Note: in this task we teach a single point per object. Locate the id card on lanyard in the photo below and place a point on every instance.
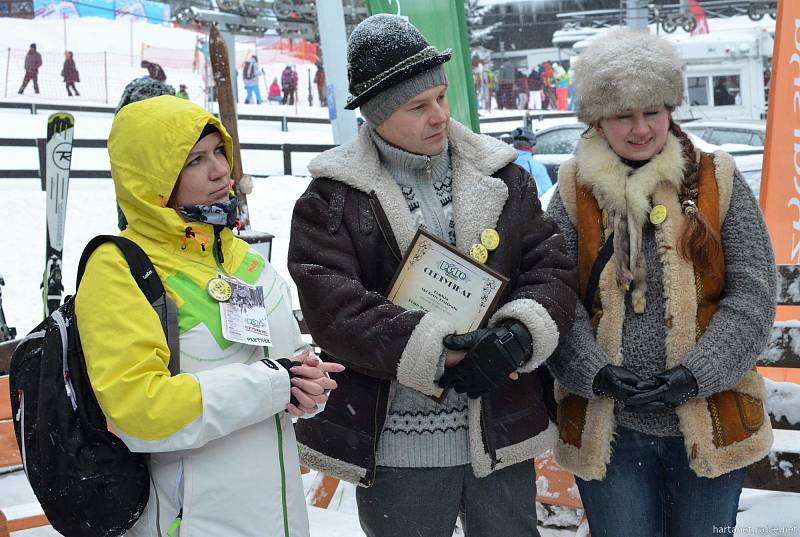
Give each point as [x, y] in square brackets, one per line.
[242, 310]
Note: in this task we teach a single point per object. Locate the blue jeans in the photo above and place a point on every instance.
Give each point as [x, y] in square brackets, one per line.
[650, 490]
[253, 90]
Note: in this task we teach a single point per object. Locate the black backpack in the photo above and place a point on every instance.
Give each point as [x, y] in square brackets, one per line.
[87, 481]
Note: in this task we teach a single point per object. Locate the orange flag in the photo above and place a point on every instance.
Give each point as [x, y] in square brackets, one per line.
[780, 179]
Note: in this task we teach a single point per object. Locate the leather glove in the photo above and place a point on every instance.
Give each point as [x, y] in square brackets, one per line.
[492, 354]
[675, 387]
[620, 384]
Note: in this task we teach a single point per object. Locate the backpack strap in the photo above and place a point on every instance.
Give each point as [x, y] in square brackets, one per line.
[146, 277]
[606, 252]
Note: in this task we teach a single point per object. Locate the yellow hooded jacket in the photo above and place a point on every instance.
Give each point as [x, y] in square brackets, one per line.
[222, 448]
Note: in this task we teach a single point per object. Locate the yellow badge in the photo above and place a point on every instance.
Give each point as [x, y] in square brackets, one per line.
[219, 289]
[604, 218]
[478, 252]
[658, 214]
[490, 238]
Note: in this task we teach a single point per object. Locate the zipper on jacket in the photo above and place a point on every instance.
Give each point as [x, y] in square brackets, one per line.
[376, 437]
[175, 525]
[20, 417]
[283, 476]
[485, 433]
[62, 329]
[217, 249]
[380, 218]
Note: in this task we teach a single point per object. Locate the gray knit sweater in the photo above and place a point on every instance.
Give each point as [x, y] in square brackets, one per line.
[730, 346]
[420, 432]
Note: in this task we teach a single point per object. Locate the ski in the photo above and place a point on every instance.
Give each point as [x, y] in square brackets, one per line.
[7, 333]
[58, 157]
[220, 66]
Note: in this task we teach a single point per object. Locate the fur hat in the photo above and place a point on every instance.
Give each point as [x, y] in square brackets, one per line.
[624, 70]
[384, 51]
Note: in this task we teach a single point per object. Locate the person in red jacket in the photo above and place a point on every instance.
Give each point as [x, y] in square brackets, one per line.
[33, 60]
[70, 74]
[274, 91]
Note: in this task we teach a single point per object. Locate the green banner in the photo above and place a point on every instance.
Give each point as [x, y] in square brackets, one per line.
[444, 25]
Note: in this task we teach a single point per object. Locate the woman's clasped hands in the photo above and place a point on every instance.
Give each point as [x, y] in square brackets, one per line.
[310, 382]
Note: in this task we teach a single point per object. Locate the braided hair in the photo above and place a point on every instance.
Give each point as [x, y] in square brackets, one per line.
[699, 243]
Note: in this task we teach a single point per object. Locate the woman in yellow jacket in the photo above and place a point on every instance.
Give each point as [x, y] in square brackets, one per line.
[223, 454]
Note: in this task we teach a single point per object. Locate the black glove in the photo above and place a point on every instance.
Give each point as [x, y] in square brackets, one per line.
[675, 387]
[288, 365]
[621, 384]
[492, 355]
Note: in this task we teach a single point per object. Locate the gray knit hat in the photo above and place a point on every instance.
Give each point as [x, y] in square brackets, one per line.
[624, 70]
[389, 62]
[379, 108]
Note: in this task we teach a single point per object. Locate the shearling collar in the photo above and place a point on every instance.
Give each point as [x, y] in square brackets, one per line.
[621, 189]
[478, 198]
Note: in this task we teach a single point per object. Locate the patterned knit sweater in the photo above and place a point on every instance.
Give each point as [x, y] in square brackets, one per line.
[727, 350]
[420, 432]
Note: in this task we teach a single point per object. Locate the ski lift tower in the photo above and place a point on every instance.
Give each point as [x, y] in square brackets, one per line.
[637, 14]
[232, 17]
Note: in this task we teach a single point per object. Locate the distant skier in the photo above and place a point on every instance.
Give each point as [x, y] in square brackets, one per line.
[33, 60]
[250, 74]
[182, 93]
[275, 91]
[287, 84]
[70, 74]
[319, 80]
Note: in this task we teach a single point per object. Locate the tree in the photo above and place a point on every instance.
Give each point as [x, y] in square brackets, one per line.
[479, 32]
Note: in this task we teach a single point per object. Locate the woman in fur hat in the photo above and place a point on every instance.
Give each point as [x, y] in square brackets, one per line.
[660, 408]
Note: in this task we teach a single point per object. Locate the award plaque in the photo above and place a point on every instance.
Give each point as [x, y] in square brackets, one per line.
[438, 279]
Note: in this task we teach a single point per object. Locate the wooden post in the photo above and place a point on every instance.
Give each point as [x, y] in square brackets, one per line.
[220, 65]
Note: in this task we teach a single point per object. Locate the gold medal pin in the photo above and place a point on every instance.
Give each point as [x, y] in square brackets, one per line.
[219, 289]
[490, 239]
[658, 214]
[478, 252]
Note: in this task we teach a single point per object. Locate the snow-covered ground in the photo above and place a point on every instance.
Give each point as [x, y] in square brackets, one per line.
[91, 211]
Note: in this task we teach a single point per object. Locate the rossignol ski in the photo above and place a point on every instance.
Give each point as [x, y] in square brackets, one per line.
[58, 157]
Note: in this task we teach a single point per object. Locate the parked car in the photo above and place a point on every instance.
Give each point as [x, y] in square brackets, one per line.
[750, 167]
[556, 144]
[729, 133]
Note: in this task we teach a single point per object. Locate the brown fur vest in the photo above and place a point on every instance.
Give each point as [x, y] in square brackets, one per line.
[723, 432]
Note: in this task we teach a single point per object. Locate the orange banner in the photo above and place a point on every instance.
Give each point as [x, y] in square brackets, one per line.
[780, 179]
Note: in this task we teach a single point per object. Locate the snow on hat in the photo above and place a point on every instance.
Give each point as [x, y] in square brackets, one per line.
[386, 52]
[625, 70]
[143, 88]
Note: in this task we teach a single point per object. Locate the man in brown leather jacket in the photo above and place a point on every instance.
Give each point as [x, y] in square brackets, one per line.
[422, 461]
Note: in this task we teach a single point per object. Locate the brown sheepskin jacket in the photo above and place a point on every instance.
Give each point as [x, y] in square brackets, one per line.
[349, 231]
